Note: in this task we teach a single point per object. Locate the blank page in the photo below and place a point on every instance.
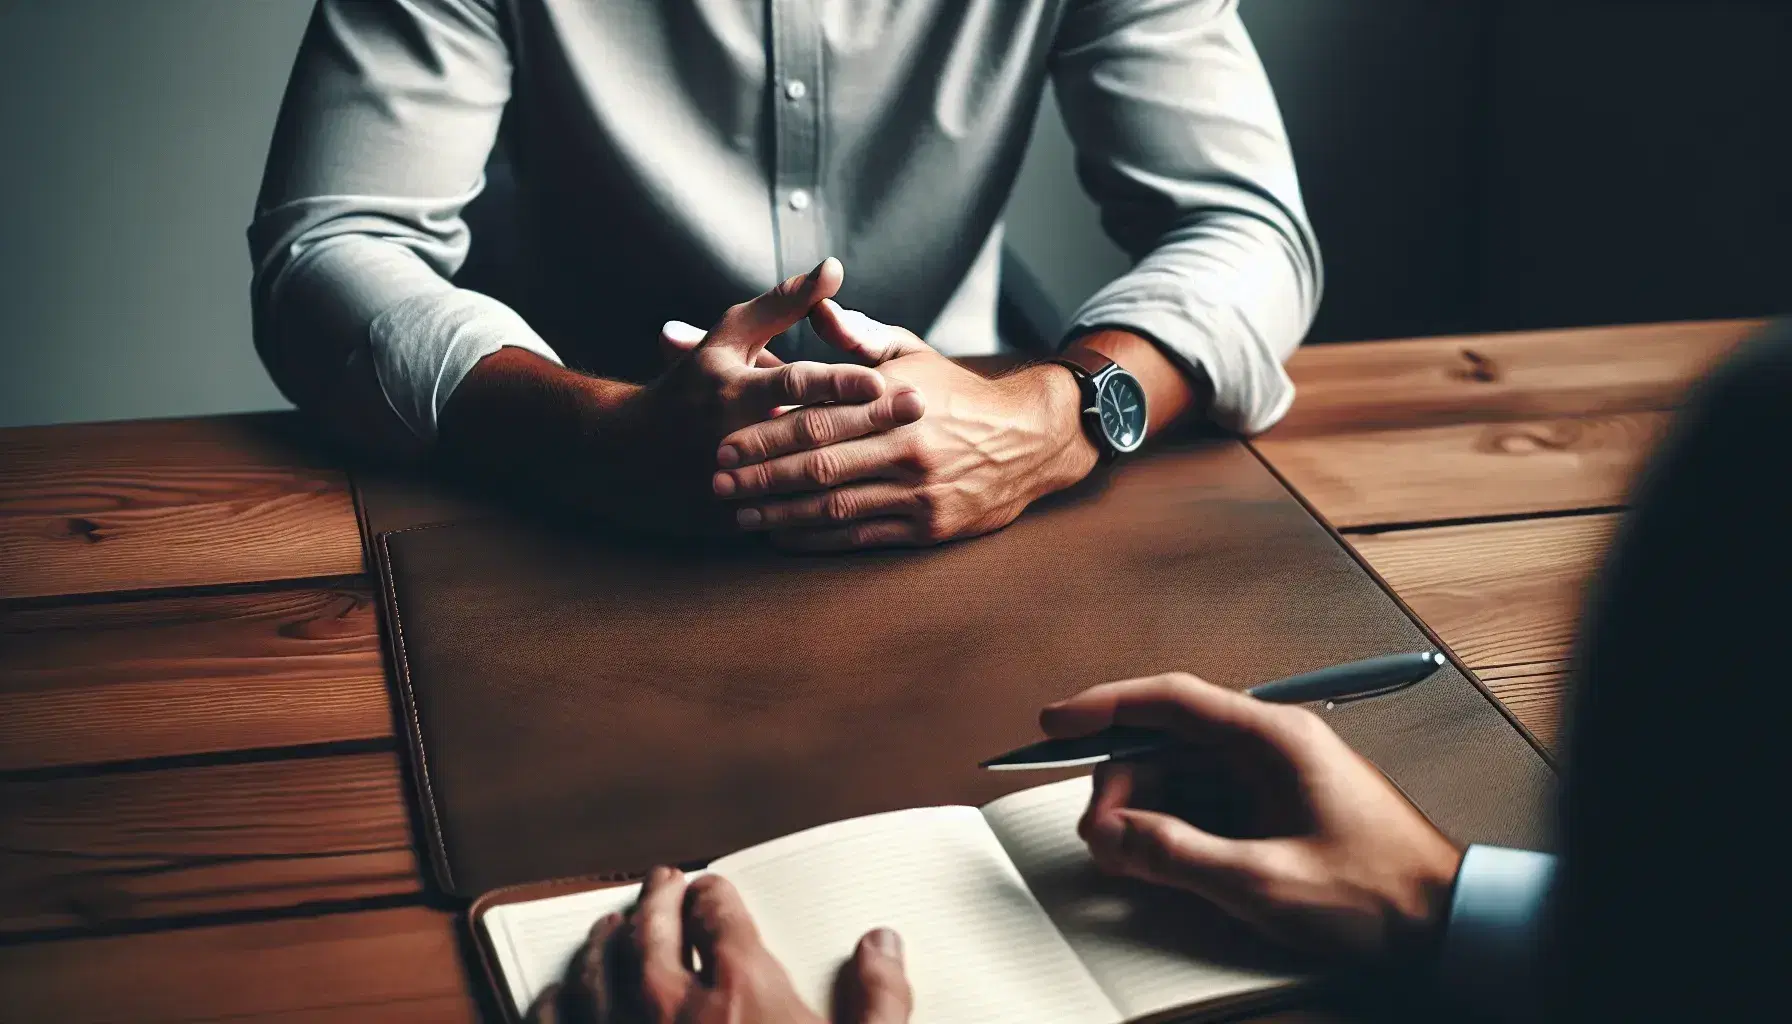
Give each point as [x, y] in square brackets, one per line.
[977, 946]
[1151, 949]
[535, 941]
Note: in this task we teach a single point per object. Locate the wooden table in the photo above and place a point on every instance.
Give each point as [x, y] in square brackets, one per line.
[201, 814]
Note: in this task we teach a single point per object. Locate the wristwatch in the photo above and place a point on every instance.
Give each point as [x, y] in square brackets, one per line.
[1113, 402]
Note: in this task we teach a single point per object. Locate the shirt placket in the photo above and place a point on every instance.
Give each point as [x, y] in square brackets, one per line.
[796, 196]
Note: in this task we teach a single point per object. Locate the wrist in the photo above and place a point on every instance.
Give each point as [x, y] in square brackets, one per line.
[516, 412]
[1055, 400]
[1174, 394]
[1424, 909]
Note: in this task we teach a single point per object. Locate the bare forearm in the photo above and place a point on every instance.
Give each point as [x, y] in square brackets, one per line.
[643, 453]
[522, 420]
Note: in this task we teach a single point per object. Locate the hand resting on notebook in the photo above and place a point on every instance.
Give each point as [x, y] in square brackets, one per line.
[639, 968]
[1268, 814]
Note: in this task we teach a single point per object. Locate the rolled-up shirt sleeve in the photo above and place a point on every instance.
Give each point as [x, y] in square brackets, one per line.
[388, 120]
[1180, 143]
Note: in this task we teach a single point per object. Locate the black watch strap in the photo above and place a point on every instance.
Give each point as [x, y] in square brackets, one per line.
[1090, 362]
[1086, 366]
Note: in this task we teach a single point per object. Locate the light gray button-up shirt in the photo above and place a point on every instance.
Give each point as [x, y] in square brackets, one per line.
[673, 157]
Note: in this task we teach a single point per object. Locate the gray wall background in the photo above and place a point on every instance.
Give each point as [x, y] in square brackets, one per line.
[132, 134]
[1470, 165]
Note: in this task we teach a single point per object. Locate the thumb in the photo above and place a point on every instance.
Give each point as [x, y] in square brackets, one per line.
[873, 988]
[750, 326]
[1165, 850]
[678, 337]
[856, 334]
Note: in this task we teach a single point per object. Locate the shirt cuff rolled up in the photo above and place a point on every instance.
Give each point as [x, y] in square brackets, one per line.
[1250, 388]
[424, 346]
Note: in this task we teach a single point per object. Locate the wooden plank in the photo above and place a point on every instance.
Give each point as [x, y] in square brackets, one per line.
[1497, 593]
[90, 683]
[382, 965]
[100, 849]
[1506, 597]
[1379, 477]
[167, 503]
[1537, 375]
[1536, 693]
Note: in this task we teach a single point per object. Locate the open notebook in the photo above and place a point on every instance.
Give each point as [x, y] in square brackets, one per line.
[1002, 916]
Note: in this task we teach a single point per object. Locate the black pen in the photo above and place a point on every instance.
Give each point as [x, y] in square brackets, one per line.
[1351, 679]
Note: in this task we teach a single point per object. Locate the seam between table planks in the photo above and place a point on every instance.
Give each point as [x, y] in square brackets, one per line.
[1543, 750]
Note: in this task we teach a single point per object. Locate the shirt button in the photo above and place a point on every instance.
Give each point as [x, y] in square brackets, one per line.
[795, 89]
[799, 200]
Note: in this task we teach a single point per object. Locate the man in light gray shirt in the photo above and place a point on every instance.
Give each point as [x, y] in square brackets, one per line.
[676, 157]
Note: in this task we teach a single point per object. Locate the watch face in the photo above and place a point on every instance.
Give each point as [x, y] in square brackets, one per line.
[1122, 407]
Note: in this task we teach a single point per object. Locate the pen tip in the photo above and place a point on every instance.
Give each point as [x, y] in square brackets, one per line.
[1437, 657]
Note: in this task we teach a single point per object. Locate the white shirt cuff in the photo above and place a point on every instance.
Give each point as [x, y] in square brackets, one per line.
[1490, 951]
[1251, 389]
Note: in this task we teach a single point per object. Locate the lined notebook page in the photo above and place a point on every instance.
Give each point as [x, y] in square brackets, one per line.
[978, 948]
[1150, 949]
[535, 941]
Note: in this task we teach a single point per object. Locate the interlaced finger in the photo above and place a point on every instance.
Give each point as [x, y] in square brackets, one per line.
[748, 327]
[818, 425]
[815, 470]
[812, 383]
[839, 505]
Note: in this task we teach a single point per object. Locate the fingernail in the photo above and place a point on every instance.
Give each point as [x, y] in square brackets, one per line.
[728, 457]
[748, 517]
[723, 484]
[907, 405]
[887, 942]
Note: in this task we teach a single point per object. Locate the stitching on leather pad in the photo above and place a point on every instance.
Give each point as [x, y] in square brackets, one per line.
[440, 854]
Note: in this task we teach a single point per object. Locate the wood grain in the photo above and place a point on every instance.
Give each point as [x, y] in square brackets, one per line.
[102, 849]
[1380, 477]
[124, 506]
[1429, 382]
[1506, 597]
[91, 683]
[1536, 693]
[386, 965]
[1498, 593]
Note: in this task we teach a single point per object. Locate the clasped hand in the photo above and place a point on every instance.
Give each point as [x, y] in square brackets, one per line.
[723, 380]
[941, 453]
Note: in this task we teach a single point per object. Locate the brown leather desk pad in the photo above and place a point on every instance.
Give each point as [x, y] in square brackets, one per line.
[580, 703]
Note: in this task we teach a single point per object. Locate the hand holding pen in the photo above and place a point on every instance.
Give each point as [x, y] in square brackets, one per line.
[1260, 808]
